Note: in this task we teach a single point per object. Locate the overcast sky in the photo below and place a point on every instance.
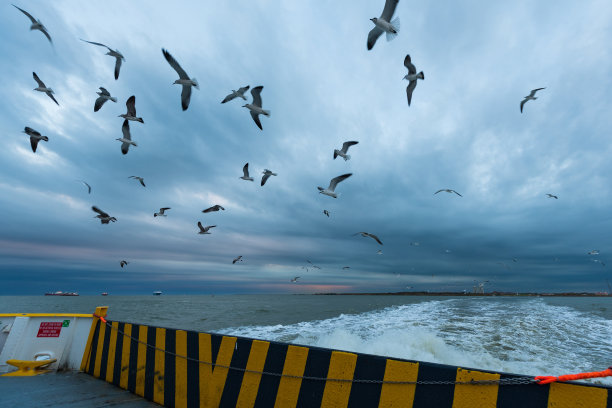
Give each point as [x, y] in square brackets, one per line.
[463, 131]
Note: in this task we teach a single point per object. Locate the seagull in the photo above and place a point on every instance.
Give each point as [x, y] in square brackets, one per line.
[88, 186]
[415, 243]
[237, 259]
[255, 107]
[131, 110]
[447, 190]
[379, 252]
[36, 24]
[127, 138]
[216, 207]
[384, 24]
[245, 171]
[411, 77]
[329, 191]
[342, 152]
[113, 53]
[367, 234]
[204, 230]
[294, 280]
[346, 267]
[313, 265]
[104, 96]
[514, 260]
[43, 88]
[326, 213]
[530, 97]
[593, 252]
[236, 94]
[123, 263]
[104, 217]
[266, 175]
[552, 196]
[139, 179]
[161, 212]
[35, 137]
[183, 80]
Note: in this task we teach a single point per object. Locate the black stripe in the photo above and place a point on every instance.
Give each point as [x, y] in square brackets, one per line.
[170, 368]
[193, 370]
[104, 362]
[150, 373]
[118, 354]
[367, 394]
[609, 403]
[524, 396]
[268, 386]
[94, 349]
[430, 396]
[234, 377]
[133, 358]
[317, 365]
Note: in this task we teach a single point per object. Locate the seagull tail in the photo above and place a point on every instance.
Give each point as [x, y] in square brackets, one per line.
[113, 99]
[266, 112]
[396, 24]
[390, 36]
[421, 75]
[347, 157]
[196, 83]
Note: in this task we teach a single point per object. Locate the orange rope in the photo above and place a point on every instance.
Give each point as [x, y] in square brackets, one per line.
[547, 379]
[99, 317]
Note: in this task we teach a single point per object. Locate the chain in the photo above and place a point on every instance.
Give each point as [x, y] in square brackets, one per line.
[501, 381]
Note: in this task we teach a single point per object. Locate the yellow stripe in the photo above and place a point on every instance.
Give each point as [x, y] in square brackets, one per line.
[576, 396]
[289, 388]
[141, 361]
[341, 366]
[468, 396]
[160, 366]
[399, 395]
[212, 381]
[125, 356]
[110, 366]
[99, 347]
[180, 386]
[48, 314]
[100, 311]
[250, 381]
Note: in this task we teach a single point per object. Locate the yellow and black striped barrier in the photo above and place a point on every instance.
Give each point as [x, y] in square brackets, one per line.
[178, 368]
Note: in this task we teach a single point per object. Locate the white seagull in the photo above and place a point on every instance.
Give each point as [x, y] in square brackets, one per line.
[530, 97]
[384, 24]
[236, 94]
[127, 138]
[139, 179]
[294, 280]
[103, 96]
[43, 88]
[552, 196]
[342, 152]
[104, 217]
[330, 191]
[266, 175]
[411, 77]
[448, 190]
[36, 24]
[216, 207]
[204, 230]
[161, 212]
[593, 252]
[245, 173]
[131, 110]
[183, 80]
[113, 53]
[35, 137]
[367, 234]
[255, 107]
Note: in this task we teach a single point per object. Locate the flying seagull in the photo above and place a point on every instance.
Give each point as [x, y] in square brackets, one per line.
[447, 190]
[294, 280]
[131, 110]
[383, 24]
[216, 207]
[104, 96]
[255, 107]
[411, 77]
[204, 230]
[266, 175]
[88, 186]
[346, 267]
[36, 24]
[313, 265]
[593, 252]
[237, 259]
[161, 212]
[139, 179]
[35, 137]
[329, 191]
[236, 94]
[113, 53]
[326, 213]
[342, 152]
[367, 234]
[245, 172]
[552, 196]
[104, 217]
[379, 252]
[43, 88]
[123, 263]
[183, 80]
[530, 97]
[127, 138]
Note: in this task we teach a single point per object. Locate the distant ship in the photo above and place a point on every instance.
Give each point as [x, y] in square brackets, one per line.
[60, 293]
[157, 293]
[104, 293]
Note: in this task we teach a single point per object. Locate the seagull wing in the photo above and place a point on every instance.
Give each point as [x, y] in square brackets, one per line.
[439, 191]
[334, 182]
[126, 130]
[201, 227]
[50, 95]
[375, 238]
[99, 211]
[533, 91]
[346, 145]
[209, 209]
[37, 79]
[410, 89]
[180, 71]
[141, 181]
[243, 89]
[117, 67]
[245, 170]
[88, 186]
[34, 143]
[31, 132]
[457, 193]
[228, 98]
[44, 31]
[27, 14]
[104, 91]
[98, 104]
[185, 96]
[255, 117]
[95, 43]
[389, 9]
[523, 103]
[373, 36]
[164, 209]
[219, 208]
[408, 64]
[131, 105]
[265, 178]
[256, 92]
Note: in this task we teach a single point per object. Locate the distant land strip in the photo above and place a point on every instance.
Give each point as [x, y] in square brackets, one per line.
[567, 294]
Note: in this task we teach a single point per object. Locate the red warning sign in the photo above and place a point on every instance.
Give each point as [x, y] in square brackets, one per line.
[49, 329]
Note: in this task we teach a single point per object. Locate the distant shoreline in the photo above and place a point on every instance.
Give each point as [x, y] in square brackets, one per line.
[534, 294]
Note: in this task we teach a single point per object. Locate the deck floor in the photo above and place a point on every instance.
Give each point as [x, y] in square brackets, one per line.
[68, 389]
